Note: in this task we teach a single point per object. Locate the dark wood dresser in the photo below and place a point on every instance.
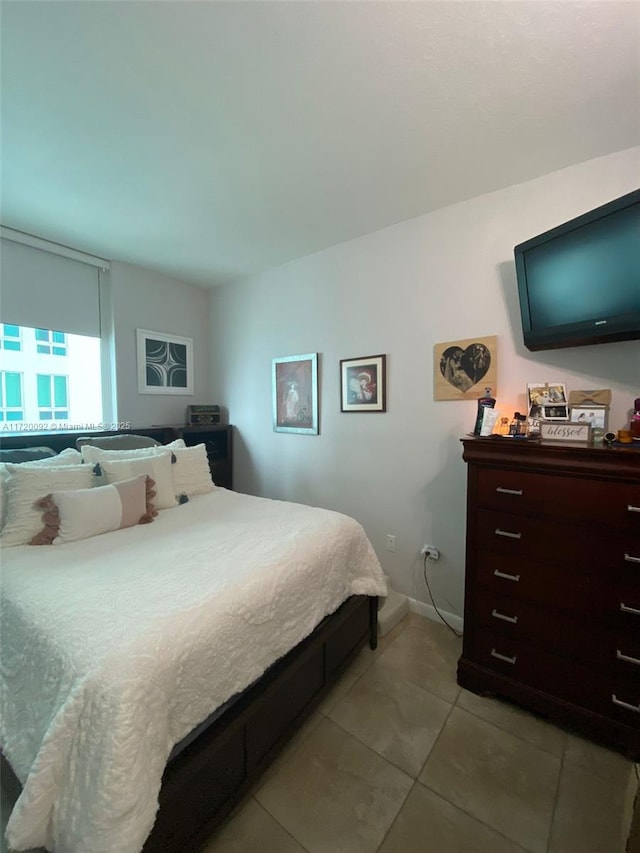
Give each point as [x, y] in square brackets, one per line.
[552, 589]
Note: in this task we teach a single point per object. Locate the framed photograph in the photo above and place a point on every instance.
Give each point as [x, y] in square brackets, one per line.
[579, 433]
[165, 363]
[363, 384]
[596, 417]
[463, 369]
[547, 401]
[294, 382]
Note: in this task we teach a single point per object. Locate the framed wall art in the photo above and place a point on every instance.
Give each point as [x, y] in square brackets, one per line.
[463, 369]
[363, 384]
[165, 363]
[294, 381]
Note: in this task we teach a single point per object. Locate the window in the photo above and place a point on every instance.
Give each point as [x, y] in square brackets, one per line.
[10, 337]
[11, 396]
[50, 342]
[52, 389]
[53, 397]
[60, 301]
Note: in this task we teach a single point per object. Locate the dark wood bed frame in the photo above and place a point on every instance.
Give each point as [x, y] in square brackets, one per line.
[204, 780]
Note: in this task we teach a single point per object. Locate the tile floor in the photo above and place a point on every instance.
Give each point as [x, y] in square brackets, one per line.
[399, 759]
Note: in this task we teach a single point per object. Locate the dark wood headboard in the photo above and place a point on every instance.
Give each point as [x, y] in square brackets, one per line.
[217, 439]
[59, 441]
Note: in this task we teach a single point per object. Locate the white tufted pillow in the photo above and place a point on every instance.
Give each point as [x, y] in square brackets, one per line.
[70, 456]
[27, 483]
[191, 472]
[97, 454]
[157, 466]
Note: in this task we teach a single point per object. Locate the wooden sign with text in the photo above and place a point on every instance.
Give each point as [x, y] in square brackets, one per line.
[580, 433]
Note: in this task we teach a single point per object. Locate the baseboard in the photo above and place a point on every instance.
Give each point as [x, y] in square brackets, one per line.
[429, 611]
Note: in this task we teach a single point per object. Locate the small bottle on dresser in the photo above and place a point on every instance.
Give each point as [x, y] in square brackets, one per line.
[634, 426]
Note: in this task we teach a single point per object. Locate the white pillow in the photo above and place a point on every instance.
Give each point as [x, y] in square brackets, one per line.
[81, 513]
[92, 454]
[156, 465]
[67, 457]
[26, 484]
[191, 472]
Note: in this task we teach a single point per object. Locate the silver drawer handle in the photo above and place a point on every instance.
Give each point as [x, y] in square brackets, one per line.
[631, 559]
[626, 609]
[508, 491]
[510, 535]
[626, 705]
[632, 508]
[505, 658]
[504, 575]
[502, 616]
[626, 658]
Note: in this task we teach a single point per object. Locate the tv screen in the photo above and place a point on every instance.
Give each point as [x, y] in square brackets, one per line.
[579, 283]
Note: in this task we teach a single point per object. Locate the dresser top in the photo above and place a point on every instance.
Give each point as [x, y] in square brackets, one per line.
[567, 457]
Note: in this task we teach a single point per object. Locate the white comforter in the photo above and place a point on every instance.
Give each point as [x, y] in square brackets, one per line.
[114, 648]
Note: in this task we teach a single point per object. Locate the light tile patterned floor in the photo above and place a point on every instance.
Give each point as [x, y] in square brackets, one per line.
[399, 759]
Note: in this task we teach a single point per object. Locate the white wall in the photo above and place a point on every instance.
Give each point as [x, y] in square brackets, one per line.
[444, 276]
[143, 299]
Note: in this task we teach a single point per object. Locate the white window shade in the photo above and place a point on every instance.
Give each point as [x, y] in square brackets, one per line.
[43, 290]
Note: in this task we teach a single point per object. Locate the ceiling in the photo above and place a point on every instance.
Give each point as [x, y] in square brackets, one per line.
[211, 140]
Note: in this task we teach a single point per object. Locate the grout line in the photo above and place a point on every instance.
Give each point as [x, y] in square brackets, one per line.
[519, 737]
[555, 799]
[397, 815]
[371, 749]
[282, 827]
[475, 818]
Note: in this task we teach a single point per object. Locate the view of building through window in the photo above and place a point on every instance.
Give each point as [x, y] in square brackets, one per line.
[48, 379]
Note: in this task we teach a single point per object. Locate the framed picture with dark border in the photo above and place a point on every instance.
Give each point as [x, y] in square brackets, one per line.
[165, 363]
[294, 382]
[363, 384]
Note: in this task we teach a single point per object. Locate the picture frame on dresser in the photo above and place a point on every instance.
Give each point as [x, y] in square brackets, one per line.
[548, 401]
[597, 417]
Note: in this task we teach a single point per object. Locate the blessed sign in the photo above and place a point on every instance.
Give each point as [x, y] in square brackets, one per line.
[565, 432]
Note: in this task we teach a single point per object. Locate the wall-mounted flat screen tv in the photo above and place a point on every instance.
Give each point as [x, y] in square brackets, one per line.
[579, 283]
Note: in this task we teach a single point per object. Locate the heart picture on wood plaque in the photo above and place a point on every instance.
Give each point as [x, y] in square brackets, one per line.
[459, 367]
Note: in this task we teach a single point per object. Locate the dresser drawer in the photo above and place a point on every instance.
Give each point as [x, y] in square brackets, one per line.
[565, 587]
[610, 693]
[551, 540]
[619, 600]
[575, 635]
[584, 499]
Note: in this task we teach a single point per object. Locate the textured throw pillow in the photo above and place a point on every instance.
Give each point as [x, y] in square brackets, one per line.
[81, 513]
[93, 454]
[157, 466]
[26, 484]
[191, 472]
[67, 457]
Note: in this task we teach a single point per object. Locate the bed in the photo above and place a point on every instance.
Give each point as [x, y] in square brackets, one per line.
[175, 674]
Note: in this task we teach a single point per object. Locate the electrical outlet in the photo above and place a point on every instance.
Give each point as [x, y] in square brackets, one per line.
[430, 551]
[391, 542]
